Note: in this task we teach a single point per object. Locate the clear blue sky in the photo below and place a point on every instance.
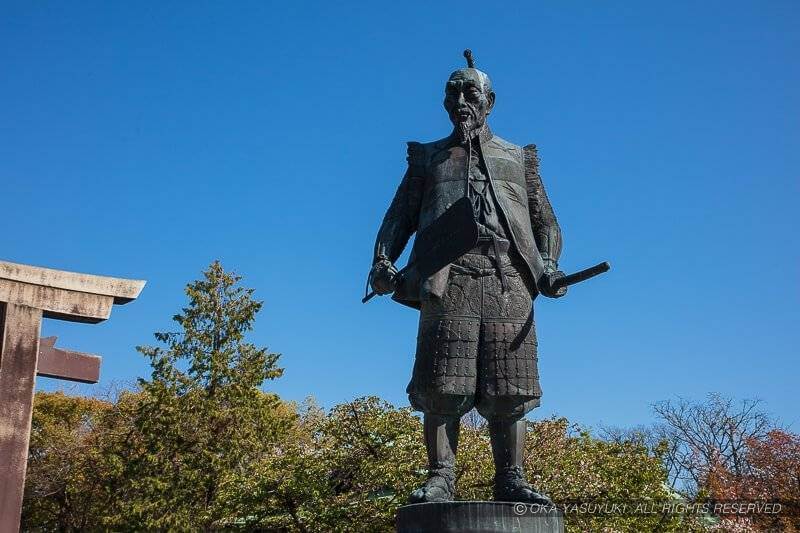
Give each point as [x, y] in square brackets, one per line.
[145, 139]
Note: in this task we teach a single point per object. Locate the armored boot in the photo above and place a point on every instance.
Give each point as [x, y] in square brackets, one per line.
[441, 441]
[508, 442]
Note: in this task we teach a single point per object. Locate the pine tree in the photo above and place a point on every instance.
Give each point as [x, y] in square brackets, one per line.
[203, 419]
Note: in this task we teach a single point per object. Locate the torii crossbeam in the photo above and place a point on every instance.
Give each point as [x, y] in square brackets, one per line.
[27, 294]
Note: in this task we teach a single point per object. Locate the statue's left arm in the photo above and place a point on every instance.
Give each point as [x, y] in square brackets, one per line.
[546, 230]
[543, 220]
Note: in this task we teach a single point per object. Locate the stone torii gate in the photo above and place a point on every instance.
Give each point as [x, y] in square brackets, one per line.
[28, 294]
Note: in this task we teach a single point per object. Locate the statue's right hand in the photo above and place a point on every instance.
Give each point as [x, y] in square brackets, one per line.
[383, 277]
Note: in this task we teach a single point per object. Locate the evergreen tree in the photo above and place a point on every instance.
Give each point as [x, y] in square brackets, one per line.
[202, 420]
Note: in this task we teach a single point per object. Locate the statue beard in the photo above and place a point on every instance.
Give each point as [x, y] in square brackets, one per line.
[468, 128]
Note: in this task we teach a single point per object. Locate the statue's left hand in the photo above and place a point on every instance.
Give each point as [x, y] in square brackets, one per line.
[546, 284]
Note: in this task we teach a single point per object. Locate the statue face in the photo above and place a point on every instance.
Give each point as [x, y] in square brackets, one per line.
[468, 100]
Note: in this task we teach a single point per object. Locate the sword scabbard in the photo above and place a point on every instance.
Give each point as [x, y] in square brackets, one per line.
[582, 275]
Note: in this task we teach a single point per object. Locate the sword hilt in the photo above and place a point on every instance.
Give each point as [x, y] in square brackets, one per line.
[398, 277]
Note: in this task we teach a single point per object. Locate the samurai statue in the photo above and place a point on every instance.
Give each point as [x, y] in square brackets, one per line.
[476, 344]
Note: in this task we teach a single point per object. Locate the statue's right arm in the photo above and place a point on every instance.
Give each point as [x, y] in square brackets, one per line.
[402, 217]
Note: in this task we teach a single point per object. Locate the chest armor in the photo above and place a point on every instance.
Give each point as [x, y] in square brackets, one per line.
[445, 168]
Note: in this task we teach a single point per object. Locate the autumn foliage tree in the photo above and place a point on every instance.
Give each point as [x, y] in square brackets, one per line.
[771, 473]
[66, 483]
[700, 435]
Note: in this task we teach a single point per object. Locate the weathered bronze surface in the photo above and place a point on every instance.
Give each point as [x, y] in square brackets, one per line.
[476, 344]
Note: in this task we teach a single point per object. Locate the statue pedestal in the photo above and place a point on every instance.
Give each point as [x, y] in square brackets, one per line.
[478, 517]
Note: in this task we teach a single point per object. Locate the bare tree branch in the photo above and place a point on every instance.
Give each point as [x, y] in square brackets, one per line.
[702, 435]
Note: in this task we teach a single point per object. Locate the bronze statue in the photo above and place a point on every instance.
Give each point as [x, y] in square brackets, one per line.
[487, 243]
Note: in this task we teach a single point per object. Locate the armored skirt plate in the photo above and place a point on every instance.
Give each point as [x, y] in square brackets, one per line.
[478, 517]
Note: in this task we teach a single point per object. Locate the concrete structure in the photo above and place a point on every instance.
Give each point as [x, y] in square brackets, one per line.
[28, 294]
[479, 517]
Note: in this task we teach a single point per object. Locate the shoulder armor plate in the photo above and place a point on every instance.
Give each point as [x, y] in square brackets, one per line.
[416, 154]
[531, 156]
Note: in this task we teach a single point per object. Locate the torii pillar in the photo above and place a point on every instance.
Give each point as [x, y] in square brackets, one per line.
[28, 294]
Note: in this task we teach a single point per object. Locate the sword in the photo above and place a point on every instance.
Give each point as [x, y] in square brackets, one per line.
[398, 277]
[582, 275]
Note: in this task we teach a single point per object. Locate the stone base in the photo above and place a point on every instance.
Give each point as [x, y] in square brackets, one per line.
[478, 517]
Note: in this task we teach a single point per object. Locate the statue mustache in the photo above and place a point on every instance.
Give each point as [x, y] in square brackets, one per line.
[474, 115]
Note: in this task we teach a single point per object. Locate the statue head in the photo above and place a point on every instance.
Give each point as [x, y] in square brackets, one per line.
[468, 97]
